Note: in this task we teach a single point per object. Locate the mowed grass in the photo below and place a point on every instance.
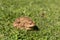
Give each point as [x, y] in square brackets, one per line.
[46, 14]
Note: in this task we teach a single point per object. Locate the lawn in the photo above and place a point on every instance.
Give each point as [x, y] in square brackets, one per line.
[46, 14]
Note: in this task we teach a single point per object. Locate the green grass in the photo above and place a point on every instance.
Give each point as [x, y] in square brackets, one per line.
[48, 24]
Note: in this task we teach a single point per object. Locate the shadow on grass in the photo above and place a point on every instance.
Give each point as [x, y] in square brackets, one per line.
[35, 28]
[25, 33]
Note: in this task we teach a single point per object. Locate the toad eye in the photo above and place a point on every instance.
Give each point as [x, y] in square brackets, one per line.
[30, 23]
[18, 22]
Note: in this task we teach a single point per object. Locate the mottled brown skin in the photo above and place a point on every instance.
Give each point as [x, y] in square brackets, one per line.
[24, 23]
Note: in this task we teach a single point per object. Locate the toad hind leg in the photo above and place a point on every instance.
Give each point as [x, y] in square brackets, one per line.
[28, 28]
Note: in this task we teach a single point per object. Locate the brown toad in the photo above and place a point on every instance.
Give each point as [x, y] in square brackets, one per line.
[24, 23]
